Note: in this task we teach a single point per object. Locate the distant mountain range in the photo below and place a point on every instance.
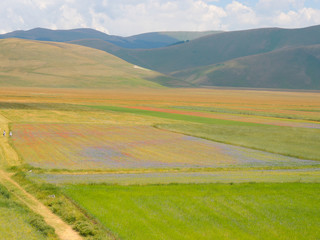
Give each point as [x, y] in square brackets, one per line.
[144, 41]
[258, 58]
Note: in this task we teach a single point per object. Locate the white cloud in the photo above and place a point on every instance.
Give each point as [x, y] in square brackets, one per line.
[128, 17]
[241, 15]
[70, 18]
[300, 18]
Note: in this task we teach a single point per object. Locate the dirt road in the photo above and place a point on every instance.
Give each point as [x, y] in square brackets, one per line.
[8, 157]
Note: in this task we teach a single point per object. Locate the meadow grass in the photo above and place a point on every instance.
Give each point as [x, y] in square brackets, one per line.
[302, 143]
[204, 211]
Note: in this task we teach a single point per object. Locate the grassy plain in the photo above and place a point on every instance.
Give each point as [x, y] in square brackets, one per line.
[39, 106]
[80, 128]
[211, 211]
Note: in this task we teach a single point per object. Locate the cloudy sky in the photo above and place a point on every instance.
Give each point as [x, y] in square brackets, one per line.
[129, 17]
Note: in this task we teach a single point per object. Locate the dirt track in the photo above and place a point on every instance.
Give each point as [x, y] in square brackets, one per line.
[8, 157]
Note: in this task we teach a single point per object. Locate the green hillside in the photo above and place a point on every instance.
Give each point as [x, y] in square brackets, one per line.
[295, 68]
[28, 63]
[184, 36]
[214, 48]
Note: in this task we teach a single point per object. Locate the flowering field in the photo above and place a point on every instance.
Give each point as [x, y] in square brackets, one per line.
[97, 146]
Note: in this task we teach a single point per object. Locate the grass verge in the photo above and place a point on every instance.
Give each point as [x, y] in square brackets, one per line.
[23, 219]
[59, 204]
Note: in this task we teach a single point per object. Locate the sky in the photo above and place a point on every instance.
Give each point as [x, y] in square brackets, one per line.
[130, 17]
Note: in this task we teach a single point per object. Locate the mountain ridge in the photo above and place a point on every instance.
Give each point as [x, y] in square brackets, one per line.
[276, 69]
[266, 55]
[144, 41]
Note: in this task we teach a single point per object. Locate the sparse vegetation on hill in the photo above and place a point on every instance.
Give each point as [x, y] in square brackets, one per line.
[296, 68]
[25, 63]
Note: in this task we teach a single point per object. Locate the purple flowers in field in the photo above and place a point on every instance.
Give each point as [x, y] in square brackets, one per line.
[94, 146]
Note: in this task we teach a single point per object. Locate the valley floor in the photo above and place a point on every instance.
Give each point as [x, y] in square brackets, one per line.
[165, 164]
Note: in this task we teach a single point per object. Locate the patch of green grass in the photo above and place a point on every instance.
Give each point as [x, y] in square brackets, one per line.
[302, 143]
[205, 211]
[176, 116]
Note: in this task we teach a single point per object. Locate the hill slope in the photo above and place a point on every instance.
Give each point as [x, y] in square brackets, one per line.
[28, 63]
[145, 41]
[215, 48]
[293, 68]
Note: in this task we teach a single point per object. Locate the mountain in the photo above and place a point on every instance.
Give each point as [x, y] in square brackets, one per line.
[27, 63]
[214, 48]
[144, 41]
[265, 58]
[289, 68]
[260, 58]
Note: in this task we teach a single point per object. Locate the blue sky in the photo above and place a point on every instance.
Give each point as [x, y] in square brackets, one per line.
[129, 17]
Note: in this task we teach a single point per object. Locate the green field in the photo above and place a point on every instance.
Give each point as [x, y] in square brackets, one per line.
[210, 211]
